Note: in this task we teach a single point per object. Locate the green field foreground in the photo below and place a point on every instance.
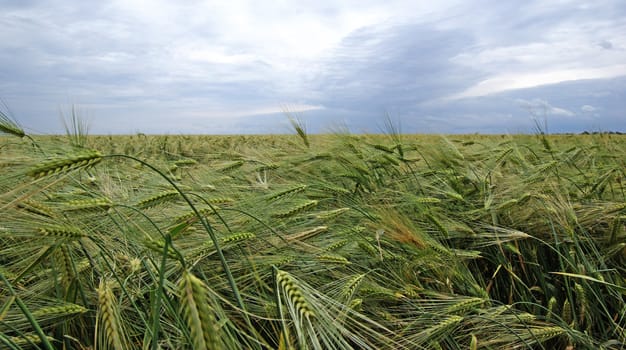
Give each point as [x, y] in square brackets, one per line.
[312, 242]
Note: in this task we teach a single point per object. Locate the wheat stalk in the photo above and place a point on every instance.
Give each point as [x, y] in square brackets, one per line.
[237, 237]
[545, 333]
[66, 269]
[332, 258]
[36, 208]
[27, 339]
[582, 301]
[296, 210]
[10, 127]
[290, 287]
[286, 192]
[231, 166]
[59, 310]
[552, 304]
[191, 217]
[185, 162]
[92, 204]
[198, 313]
[109, 316]
[157, 199]
[306, 234]
[330, 214]
[473, 342]
[336, 245]
[59, 165]
[427, 200]
[464, 305]
[351, 286]
[566, 313]
[443, 326]
[62, 231]
[158, 245]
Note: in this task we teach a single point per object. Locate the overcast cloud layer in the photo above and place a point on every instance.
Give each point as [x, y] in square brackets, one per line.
[234, 66]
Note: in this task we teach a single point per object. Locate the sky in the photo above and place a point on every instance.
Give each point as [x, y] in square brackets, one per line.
[243, 67]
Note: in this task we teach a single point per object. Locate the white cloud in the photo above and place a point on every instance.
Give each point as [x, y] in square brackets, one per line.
[560, 42]
[500, 82]
[540, 108]
[588, 108]
[605, 44]
[561, 111]
[257, 111]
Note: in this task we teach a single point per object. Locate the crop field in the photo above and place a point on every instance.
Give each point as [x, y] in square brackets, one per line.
[334, 241]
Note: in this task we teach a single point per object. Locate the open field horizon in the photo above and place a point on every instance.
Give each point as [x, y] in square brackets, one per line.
[300, 241]
[312, 175]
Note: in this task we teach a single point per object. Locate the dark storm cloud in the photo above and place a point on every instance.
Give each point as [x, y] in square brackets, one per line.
[409, 70]
[404, 64]
[391, 70]
[567, 107]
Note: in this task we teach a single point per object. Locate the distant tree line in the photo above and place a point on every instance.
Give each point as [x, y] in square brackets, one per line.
[602, 132]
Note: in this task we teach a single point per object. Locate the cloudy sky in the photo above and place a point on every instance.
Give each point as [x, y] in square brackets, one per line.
[236, 66]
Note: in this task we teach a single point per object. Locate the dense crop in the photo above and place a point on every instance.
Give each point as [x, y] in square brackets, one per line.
[312, 242]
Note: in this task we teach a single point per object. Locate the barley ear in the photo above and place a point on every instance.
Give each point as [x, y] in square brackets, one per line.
[294, 295]
[109, 317]
[300, 128]
[78, 160]
[8, 126]
[198, 314]
[474, 342]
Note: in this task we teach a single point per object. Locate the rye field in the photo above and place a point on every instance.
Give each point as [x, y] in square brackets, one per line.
[300, 241]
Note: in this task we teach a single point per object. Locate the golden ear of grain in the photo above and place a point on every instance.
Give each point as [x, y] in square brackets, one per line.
[383, 148]
[8, 126]
[551, 307]
[336, 245]
[158, 245]
[231, 166]
[581, 298]
[198, 313]
[63, 259]
[435, 345]
[58, 165]
[185, 162]
[426, 200]
[92, 204]
[330, 214]
[545, 333]
[355, 304]
[109, 316]
[28, 338]
[157, 199]
[296, 210]
[291, 289]
[335, 190]
[62, 231]
[65, 309]
[351, 286]
[289, 191]
[332, 258]
[464, 305]
[190, 216]
[474, 343]
[237, 237]
[36, 208]
[300, 236]
[444, 326]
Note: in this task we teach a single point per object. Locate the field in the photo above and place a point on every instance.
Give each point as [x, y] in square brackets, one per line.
[312, 241]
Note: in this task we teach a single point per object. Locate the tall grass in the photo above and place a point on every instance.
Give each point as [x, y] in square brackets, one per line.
[364, 242]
